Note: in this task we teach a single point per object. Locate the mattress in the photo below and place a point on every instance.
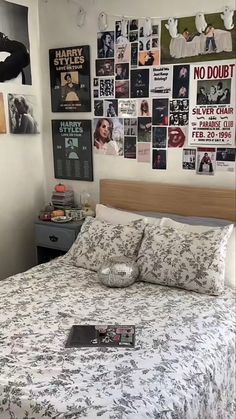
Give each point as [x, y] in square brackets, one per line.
[182, 366]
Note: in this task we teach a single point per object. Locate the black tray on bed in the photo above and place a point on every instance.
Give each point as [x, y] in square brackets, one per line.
[108, 335]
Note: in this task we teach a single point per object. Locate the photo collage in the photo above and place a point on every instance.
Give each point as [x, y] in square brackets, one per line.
[142, 107]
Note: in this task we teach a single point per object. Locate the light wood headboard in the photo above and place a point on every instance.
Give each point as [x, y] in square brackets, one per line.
[156, 197]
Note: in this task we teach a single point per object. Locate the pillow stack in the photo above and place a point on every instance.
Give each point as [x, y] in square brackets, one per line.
[193, 257]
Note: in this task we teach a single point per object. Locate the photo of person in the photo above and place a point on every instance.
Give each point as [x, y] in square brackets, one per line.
[98, 108]
[134, 55]
[130, 147]
[130, 126]
[149, 58]
[206, 158]
[180, 87]
[139, 83]
[121, 32]
[122, 71]
[105, 44]
[111, 108]
[216, 91]
[189, 159]
[144, 129]
[122, 89]
[70, 87]
[133, 25]
[104, 67]
[95, 82]
[22, 110]
[106, 87]
[144, 107]
[160, 111]
[210, 38]
[14, 44]
[71, 148]
[133, 36]
[178, 118]
[95, 93]
[108, 136]
[159, 159]
[2, 116]
[159, 135]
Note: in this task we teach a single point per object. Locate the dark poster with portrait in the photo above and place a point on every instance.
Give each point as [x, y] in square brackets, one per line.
[72, 149]
[70, 79]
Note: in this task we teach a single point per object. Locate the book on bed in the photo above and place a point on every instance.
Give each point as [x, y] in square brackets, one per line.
[101, 335]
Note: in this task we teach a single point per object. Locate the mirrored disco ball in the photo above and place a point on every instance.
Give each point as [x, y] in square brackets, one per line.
[118, 272]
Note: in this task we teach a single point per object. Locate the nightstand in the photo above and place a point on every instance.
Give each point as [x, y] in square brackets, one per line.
[54, 239]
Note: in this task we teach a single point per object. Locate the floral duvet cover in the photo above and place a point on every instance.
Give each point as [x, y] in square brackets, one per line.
[182, 366]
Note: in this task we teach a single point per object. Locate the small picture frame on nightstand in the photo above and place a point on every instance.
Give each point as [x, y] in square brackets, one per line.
[75, 213]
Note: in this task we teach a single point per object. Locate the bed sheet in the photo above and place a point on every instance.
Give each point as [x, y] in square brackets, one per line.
[182, 366]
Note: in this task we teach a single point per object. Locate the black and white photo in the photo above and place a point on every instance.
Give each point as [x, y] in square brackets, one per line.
[23, 114]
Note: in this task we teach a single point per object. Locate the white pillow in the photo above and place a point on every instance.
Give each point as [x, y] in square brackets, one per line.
[230, 273]
[99, 241]
[179, 258]
[115, 216]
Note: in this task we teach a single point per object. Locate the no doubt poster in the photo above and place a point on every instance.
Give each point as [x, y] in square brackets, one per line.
[212, 119]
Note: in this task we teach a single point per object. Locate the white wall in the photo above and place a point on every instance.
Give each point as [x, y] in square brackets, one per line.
[21, 172]
[59, 29]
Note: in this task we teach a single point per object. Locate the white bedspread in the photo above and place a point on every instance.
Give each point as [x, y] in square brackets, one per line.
[181, 368]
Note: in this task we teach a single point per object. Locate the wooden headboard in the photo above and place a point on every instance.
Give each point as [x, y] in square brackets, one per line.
[158, 197]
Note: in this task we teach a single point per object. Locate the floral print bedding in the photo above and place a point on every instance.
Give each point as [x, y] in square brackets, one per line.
[182, 366]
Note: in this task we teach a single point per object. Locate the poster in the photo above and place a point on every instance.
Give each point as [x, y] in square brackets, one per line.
[159, 159]
[225, 159]
[106, 88]
[189, 159]
[14, 44]
[23, 114]
[127, 108]
[161, 81]
[139, 80]
[104, 67]
[72, 149]
[108, 134]
[206, 159]
[130, 147]
[70, 79]
[212, 102]
[199, 38]
[2, 116]
[143, 152]
[105, 44]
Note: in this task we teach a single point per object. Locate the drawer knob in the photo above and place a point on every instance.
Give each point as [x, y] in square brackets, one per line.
[53, 238]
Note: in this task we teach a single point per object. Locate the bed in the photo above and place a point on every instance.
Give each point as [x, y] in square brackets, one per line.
[183, 364]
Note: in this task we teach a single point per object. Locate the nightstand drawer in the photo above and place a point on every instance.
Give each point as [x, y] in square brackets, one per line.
[56, 238]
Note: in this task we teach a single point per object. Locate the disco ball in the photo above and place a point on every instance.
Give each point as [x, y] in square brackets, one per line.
[119, 272]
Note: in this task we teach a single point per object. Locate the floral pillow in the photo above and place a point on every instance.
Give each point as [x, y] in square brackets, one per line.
[193, 261]
[99, 241]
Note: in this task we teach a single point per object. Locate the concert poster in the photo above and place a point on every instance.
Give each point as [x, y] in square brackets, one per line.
[72, 149]
[70, 79]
